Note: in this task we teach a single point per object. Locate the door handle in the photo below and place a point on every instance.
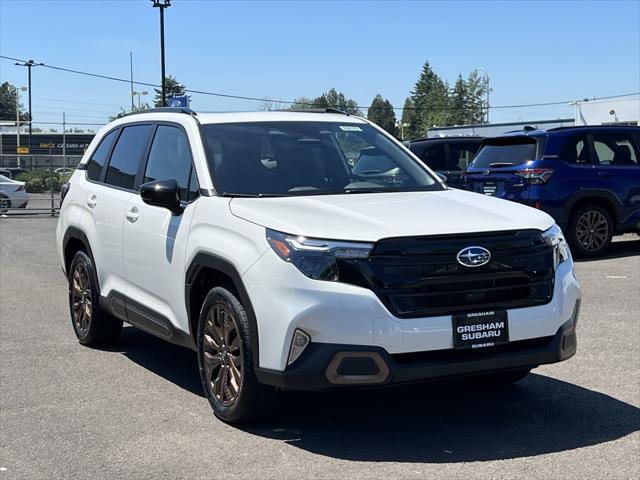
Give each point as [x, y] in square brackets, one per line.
[132, 214]
[92, 201]
[606, 174]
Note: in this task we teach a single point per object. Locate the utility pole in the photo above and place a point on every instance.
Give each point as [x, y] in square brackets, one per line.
[18, 121]
[162, 4]
[131, 72]
[64, 143]
[29, 64]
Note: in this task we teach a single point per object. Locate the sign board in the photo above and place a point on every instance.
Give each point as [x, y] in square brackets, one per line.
[22, 150]
[178, 101]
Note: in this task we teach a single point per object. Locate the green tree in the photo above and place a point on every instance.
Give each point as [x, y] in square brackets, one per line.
[407, 113]
[8, 103]
[477, 89]
[381, 113]
[431, 102]
[329, 99]
[459, 114]
[173, 88]
[123, 112]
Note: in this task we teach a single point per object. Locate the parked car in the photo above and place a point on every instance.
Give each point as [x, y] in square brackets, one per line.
[12, 194]
[11, 172]
[449, 156]
[586, 178]
[248, 238]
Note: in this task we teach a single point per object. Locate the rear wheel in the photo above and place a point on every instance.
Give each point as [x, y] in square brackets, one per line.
[590, 231]
[225, 361]
[91, 324]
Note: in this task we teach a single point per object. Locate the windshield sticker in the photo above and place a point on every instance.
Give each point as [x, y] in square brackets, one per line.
[350, 128]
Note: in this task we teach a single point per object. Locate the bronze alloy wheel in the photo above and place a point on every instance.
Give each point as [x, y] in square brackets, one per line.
[592, 230]
[222, 354]
[81, 298]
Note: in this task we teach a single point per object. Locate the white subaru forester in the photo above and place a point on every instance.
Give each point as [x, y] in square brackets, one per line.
[306, 250]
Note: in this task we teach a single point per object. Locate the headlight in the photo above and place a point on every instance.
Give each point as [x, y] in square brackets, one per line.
[555, 238]
[314, 257]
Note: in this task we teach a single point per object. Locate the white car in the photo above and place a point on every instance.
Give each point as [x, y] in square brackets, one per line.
[12, 194]
[248, 238]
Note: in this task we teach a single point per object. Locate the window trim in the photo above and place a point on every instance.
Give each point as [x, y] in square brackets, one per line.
[143, 165]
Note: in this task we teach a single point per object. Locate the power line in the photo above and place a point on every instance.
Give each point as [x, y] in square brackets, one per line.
[293, 102]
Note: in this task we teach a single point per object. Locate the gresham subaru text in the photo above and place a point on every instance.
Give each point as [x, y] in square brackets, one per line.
[253, 239]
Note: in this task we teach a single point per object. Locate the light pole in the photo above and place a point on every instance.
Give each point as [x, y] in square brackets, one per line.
[24, 89]
[486, 76]
[133, 93]
[402, 125]
[162, 4]
[29, 64]
[131, 73]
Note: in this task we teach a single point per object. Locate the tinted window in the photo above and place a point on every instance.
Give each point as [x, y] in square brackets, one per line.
[506, 152]
[94, 166]
[576, 150]
[170, 158]
[309, 158]
[615, 149]
[126, 156]
[435, 158]
[461, 156]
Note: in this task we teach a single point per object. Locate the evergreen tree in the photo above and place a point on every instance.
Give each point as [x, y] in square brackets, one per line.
[477, 89]
[407, 113]
[330, 99]
[381, 113]
[8, 103]
[458, 104]
[431, 101]
[173, 88]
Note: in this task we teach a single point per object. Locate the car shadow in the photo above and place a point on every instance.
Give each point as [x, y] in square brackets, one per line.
[619, 249]
[435, 422]
[177, 364]
[448, 422]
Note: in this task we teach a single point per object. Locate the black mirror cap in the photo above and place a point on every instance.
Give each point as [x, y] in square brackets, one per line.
[162, 193]
[443, 178]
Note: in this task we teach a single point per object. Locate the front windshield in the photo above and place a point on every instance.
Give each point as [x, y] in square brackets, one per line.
[309, 158]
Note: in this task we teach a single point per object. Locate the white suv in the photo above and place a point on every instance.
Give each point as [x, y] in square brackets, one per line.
[249, 238]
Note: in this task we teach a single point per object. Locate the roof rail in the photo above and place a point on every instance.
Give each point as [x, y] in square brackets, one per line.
[185, 110]
[313, 110]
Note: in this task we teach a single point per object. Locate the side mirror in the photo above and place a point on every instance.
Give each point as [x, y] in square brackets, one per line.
[442, 177]
[162, 193]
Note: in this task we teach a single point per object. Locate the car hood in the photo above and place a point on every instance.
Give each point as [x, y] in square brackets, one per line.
[371, 217]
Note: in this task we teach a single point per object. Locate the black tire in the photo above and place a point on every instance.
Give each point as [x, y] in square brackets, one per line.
[230, 349]
[500, 378]
[590, 231]
[5, 204]
[92, 325]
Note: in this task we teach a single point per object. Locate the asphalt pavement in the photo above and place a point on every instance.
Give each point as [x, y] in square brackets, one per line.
[138, 411]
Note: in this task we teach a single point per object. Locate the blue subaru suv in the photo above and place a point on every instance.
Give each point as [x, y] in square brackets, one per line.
[586, 178]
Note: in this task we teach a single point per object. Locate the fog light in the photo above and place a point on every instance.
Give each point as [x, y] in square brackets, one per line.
[298, 344]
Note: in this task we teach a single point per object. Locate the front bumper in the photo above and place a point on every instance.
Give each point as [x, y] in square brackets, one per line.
[323, 366]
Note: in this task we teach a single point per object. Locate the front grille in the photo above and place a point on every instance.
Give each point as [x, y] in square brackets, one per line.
[417, 277]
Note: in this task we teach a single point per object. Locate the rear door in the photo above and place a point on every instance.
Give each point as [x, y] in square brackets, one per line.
[617, 161]
[495, 169]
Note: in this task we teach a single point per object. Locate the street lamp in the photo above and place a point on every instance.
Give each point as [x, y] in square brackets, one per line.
[162, 4]
[29, 64]
[402, 125]
[486, 76]
[134, 93]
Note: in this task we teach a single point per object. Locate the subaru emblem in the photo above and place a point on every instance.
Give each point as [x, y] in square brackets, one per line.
[473, 256]
[487, 172]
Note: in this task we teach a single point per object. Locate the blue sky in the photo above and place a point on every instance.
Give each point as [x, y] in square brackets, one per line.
[534, 51]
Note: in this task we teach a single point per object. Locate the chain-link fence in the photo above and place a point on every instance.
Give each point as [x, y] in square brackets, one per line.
[30, 184]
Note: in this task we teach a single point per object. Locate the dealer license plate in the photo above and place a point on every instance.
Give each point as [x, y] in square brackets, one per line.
[489, 189]
[480, 329]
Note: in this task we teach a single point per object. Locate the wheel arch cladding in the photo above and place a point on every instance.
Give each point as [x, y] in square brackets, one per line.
[74, 241]
[205, 272]
[601, 198]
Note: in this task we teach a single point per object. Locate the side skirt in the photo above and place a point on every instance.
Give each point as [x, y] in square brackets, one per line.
[144, 318]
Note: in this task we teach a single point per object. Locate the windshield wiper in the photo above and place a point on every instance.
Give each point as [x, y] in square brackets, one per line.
[251, 195]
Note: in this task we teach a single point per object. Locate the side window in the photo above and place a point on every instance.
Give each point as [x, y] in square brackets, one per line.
[576, 150]
[434, 157]
[461, 156]
[126, 156]
[95, 164]
[615, 149]
[170, 158]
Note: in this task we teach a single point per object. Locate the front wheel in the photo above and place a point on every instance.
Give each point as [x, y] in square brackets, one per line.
[226, 363]
[5, 204]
